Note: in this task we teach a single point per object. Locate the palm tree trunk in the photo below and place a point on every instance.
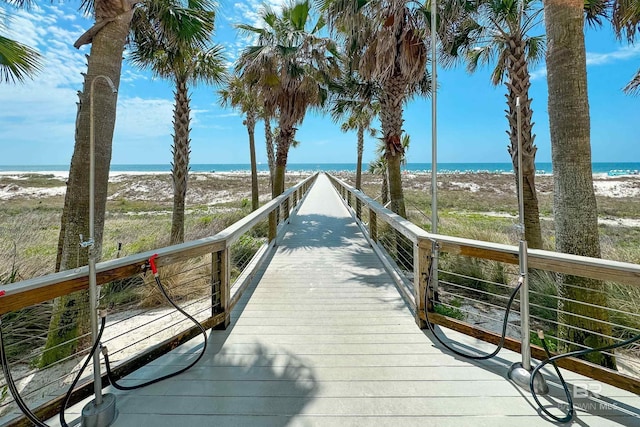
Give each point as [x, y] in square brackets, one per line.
[105, 58]
[574, 203]
[271, 157]
[251, 126]
[518, 86]
[359, 162]
[391, 118]
[384, 190]
[180, 164]
[283, 142]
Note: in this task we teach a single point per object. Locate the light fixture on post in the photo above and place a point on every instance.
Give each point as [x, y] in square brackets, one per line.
[101, 411]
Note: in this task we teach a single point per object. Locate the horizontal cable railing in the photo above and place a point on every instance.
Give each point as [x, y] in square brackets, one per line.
[205, 277]
[578, 302]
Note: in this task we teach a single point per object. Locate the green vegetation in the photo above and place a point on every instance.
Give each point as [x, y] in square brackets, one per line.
[452, 309]
[549, 338]
[242, 251]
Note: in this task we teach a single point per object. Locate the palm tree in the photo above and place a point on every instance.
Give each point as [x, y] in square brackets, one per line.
[497, 32]
[239, 94]
[107, 37]
[386, 41]
[176, 45]
[574, 202]
[292, 66]
[353, 101]
[18, 62]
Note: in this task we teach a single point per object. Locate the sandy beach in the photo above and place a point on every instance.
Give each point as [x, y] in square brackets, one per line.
[621, 186]
[214, 188]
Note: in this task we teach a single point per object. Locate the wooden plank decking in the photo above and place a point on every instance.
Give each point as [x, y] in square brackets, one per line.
[324, 339]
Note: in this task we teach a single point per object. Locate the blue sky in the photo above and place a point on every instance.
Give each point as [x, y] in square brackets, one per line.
[37, 119]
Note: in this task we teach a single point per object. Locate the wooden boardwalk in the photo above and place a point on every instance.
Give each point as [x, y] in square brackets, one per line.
[323, 338]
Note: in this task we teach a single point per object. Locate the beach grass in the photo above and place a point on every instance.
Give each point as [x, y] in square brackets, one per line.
[479, 206]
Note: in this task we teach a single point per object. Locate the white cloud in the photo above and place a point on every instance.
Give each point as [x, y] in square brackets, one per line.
[540, 73]
[224, 115]
[129, 75]
[140, 118]
[40, 125]
[247, 12]
[244, 12]
[622, 54]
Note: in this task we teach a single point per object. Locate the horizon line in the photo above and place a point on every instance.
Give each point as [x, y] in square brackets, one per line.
[306, 163]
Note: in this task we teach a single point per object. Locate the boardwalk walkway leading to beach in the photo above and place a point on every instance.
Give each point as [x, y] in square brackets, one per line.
[323, 338]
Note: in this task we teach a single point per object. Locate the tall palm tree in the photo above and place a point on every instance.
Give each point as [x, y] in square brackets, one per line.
[177, 46]
[574, 202]
[239, 94]
[107, 38]
[353, 102]
[497, 32]
[387, 43]
[292, 66]
[18, 62]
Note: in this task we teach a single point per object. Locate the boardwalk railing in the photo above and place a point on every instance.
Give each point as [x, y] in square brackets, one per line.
[206, 277]
[570, 296]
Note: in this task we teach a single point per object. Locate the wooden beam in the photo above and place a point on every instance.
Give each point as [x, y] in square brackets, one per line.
[421, 263]
[593, 268]
[41, 289]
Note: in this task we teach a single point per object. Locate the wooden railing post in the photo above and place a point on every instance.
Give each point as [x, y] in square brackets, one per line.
[273, 224]
[358, 209]
[287, 208]
[220, 275]
[373, 225]
[421, 262]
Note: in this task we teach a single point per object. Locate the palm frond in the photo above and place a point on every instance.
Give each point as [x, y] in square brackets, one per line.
[290, 64]
[626, 18]
[18, 62]
[633, 87]
[594, 11]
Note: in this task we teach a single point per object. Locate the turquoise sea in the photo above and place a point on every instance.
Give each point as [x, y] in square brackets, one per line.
[611, 168]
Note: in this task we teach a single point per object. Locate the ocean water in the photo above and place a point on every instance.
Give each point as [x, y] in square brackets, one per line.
[611, 168]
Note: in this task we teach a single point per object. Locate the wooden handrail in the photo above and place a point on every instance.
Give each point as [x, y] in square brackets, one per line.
[406, 227]
[40, 289]
[593, 268]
